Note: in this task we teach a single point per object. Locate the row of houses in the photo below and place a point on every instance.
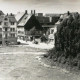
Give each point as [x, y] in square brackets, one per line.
[27, 26]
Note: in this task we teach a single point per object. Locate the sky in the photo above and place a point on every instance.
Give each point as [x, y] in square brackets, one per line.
[41, 6]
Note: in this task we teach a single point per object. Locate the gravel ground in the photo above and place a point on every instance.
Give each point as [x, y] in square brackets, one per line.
[20, 63]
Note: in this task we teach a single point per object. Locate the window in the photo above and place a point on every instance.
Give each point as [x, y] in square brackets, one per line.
[12, 29]
[52, 31]
[0, 29]
[21, 32]
[6, 29]
[5, 19]
[12, 23]
[6, 23]
[12, 35]
[0, 35]
[18, 31]
[6, 35]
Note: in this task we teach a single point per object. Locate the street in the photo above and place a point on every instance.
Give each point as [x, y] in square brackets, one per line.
[20, 63]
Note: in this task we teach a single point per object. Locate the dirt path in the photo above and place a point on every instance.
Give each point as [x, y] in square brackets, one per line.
[25, 66]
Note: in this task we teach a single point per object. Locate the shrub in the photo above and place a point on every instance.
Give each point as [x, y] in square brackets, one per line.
[44, 39]
[67, 41]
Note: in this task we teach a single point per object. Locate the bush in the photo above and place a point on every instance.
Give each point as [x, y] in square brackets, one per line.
[44, 39]
[67, 41]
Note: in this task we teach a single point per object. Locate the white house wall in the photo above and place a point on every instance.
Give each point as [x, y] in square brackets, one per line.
[15, 27]
[21, 33]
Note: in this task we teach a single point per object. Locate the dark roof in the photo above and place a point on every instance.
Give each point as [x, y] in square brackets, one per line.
[1, 13]
[24, 20]
[28, 21]
[12, 18]
[1, 18]
[43, 19]
[52, 15]
[33, 22]
[49, 26]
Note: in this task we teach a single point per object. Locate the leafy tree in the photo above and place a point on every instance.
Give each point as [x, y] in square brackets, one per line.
[67, 39]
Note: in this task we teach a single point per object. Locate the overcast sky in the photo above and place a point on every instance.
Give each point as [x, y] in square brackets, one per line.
[45, 6]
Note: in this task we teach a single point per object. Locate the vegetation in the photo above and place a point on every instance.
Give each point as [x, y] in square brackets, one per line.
[67, 41]
[44, 38]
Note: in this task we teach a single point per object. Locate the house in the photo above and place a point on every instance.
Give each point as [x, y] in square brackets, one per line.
[48, 23]
[34, 24]
[8, 29]
[28, 26]
[53, 17]
[50, 31]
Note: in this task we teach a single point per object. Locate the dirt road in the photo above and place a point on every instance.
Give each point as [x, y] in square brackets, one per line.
[20, 63]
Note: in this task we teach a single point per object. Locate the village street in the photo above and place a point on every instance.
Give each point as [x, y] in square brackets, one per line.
[20, 63]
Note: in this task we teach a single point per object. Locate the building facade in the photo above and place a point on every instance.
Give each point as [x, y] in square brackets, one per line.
[36, 24]
[28, 26]
[8, 29]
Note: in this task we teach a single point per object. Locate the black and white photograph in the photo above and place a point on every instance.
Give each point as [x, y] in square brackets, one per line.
[39, 39]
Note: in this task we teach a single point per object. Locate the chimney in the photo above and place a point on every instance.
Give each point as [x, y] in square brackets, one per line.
[50, 19]
[11, 14]
[34, 12]
[31, 11]
[7, 14]
[26, 12]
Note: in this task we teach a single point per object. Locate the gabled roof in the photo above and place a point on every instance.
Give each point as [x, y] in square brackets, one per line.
[32, 22]
[10, 17]
[24, 20]
[49, 26]
[1, 18]
[28, 21]
[19, 15]
[1, 13]
[43, 19]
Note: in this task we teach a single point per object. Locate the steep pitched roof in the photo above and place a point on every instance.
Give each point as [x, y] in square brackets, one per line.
[24, 20]
[19, 15]
[1, 13]
[33, 22]
[12, 18]
[43, 19]
[1, 18]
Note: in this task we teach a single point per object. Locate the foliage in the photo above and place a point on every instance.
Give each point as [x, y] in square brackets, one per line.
[44, 38]
[67, 41]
